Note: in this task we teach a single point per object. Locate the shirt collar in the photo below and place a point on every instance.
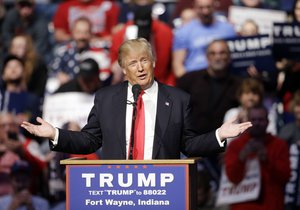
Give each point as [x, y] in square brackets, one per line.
[149, 91]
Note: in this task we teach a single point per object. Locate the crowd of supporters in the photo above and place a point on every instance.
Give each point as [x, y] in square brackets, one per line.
[56, 47]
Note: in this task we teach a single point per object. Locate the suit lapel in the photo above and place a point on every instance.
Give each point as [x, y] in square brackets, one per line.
[164, 107]
[119, 102]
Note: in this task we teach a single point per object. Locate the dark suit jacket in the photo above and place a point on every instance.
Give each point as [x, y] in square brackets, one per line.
[174, 131]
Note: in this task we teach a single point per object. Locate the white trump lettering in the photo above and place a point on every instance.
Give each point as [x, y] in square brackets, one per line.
[241, 45]
[121, 180]
[126, 180]
[149, 181]
[286, 30]
[107, 179]
[88, 178]
[166, 178]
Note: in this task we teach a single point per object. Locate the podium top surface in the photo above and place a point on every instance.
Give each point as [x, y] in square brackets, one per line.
[82, 161]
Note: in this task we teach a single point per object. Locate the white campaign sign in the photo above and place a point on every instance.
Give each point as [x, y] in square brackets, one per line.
[264, 18]
[248, 189]
[60, 108]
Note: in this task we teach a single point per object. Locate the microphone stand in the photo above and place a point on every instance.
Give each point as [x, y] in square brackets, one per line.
[131, 146]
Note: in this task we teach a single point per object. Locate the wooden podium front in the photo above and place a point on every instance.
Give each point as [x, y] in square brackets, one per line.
[131, 184]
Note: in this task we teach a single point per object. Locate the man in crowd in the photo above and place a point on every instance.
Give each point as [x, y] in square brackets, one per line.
[67, 56]
[21, 197]
[213, 89]
[273, 156]
[191, 40]
[23, 18]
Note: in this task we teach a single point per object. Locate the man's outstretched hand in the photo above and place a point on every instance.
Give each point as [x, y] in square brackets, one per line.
[230, 129]
[44, 130]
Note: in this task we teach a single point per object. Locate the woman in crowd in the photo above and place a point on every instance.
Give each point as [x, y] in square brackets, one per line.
[35, 69]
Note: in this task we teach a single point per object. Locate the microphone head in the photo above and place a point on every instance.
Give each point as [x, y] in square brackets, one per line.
[136, 90]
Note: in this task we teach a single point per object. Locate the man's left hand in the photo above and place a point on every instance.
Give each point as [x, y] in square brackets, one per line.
[230, 129]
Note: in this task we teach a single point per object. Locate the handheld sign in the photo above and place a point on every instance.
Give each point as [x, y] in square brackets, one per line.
[286, 41]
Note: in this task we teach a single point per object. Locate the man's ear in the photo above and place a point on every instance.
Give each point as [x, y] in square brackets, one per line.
[153, 64]
[124, 71]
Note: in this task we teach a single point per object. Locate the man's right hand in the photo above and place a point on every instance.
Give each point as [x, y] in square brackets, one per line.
[44, 130]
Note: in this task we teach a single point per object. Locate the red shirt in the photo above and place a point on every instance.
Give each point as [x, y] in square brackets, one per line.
[275, 172]
[103, 15]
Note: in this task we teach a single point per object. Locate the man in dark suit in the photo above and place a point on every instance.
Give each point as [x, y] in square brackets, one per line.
[168, 127]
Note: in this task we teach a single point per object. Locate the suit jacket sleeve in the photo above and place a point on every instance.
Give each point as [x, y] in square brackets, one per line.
[87, 141]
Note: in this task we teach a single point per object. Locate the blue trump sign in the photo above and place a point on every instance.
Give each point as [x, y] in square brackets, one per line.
[253, 51]
[128, 187]
[286, 40]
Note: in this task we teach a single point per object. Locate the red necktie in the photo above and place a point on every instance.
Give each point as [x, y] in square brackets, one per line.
[139, 130]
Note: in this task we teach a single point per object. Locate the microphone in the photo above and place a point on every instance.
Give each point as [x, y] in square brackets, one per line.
[136, 90]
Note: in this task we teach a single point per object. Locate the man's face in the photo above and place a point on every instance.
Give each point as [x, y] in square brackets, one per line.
[138, 68]
[82, 34]
[6, 123]
[259, 120]
[25, 9]
[8, 126]
[218, 56]
[205, 10]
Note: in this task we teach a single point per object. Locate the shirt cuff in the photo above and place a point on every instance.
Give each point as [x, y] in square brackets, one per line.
[221, 143]
[55, 140]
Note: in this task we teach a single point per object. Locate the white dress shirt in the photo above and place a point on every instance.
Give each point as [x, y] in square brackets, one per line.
[150, 105]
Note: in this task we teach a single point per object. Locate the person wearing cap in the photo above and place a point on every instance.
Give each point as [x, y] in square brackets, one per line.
[23, 18]
[21, 197]
[87, 80]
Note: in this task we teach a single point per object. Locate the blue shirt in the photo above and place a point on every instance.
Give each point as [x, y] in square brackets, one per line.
[194, 38]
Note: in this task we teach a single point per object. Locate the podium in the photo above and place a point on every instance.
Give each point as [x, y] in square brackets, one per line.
[131, 184]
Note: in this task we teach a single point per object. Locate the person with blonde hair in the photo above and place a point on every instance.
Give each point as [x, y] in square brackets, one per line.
[35, 69]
